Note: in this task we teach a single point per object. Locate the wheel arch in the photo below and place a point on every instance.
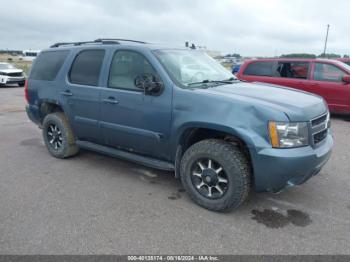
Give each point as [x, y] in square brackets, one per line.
[48, 106]
[195, 132]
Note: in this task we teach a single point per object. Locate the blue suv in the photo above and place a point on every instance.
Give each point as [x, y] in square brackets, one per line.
[178, 109]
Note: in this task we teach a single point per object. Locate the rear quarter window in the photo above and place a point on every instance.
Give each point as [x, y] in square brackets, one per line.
[259, 69]
[47, 65]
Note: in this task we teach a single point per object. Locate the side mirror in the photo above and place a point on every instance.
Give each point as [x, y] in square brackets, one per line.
[346, 79]
[149, 83]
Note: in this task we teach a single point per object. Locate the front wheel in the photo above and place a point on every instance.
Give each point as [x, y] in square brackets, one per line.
[216, 175]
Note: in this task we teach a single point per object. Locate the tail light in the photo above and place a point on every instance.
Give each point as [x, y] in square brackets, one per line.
[26, 91]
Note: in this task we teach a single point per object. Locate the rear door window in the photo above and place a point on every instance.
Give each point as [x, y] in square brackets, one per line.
[47, 65]
[298, 70]
[86, 67]
[259, 69]
[328, 72]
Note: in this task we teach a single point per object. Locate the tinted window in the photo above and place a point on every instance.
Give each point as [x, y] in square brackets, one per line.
[348, 63]
[293, 69]
[259, 69]
[47, 65]
[86, 67]
[327, 72]
[30, 54]
[126, 65]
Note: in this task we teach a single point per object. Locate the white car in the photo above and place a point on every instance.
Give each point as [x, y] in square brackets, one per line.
[11, 75]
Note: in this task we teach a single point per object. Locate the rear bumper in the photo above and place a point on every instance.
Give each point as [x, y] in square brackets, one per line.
[276, 169]
[33, 114]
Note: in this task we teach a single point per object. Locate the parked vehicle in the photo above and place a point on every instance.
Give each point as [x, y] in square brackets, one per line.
[30, 55]
[11, 75]
[221, 136]
[327, 78]
[344, 60]
[235, 68]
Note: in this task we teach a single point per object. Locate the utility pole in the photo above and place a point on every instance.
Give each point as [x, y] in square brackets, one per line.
[325, 43]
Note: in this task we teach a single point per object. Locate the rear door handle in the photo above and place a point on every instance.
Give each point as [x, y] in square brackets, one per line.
[110, 100]
[67, 93]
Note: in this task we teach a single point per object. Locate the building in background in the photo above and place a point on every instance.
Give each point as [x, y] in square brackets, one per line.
[29, 55]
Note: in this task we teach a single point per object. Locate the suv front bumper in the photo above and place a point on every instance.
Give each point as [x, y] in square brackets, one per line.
[276, 169]
[4, 80]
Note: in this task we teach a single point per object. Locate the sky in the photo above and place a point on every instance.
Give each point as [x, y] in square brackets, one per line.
[250, 28]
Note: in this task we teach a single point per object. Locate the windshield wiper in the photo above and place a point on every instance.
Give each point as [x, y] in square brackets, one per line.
[200, 82]
[207, 81]
[231, 79]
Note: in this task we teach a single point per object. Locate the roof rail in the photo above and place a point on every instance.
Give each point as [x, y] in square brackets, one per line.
[99, 41]
[118, 39]
[71, 43]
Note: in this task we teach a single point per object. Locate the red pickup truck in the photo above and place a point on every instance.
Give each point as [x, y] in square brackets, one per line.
[327, 78]
[344, 60]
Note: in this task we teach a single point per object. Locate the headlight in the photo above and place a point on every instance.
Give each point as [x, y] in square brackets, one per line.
[287, 135]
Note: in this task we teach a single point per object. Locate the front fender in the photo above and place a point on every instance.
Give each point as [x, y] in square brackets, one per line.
[249, 137]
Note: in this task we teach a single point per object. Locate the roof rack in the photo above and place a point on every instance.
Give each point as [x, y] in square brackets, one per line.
[71, 43]
[106, 40]
[98, 41]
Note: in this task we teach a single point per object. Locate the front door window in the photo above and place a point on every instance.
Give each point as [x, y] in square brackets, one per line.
[126, 66]
[328, 73]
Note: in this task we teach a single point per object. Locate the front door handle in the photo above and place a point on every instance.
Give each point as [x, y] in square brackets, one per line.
[110, 100]
[67, 93]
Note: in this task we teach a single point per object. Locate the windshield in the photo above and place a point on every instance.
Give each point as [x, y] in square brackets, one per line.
[343, 64]
[191, 68]
[6, 66]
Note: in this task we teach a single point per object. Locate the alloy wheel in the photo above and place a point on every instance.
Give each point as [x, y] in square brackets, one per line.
[209, 178]
[54, 136]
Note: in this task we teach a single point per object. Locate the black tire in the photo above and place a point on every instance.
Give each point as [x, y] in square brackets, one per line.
[64, 142]
[21, 84]
[233, 163]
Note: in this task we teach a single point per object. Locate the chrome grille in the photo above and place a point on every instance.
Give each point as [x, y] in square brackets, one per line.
[319, 128]
[319, 120]
[14, 74]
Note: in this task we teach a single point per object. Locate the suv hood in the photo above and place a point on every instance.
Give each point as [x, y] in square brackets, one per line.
[14, 70]
[297, 105]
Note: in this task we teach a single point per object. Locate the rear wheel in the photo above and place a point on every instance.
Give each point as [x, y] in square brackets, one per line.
[58, 136]
[216, 175]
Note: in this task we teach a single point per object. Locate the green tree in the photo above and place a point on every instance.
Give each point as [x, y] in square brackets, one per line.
[233, 55]
[298, 55]
[329, 56]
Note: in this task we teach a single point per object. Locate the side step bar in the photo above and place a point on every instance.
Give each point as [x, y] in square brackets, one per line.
[143, 160]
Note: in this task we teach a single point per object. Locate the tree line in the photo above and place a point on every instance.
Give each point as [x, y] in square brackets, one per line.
[305, 55]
